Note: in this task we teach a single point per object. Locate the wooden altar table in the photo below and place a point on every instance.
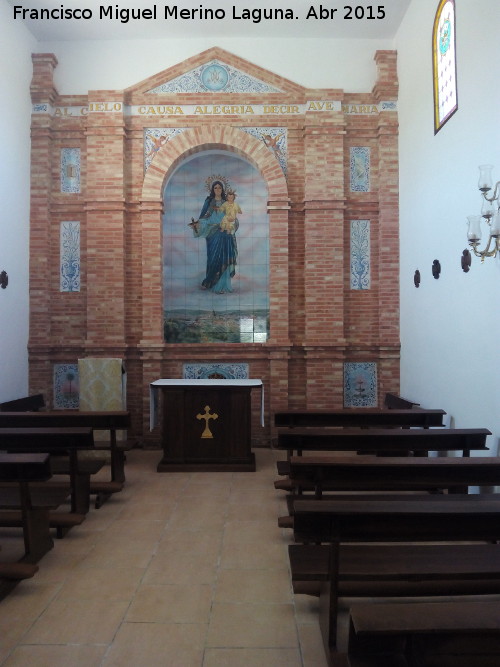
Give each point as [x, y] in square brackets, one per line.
[205, 424]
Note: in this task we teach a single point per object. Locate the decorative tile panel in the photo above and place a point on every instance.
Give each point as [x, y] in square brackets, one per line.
[215, 76]
[70, 170]
[360, 168]
[236, 308]
[276, 140]
[155, 139]
[41, 108]
[66, 387]
[70, 256]
[360, 254]
[360, 385]
[219, 371]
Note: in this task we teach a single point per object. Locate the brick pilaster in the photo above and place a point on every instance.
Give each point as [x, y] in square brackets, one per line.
[323, 268]
[386, 88]
[152, 285]
[388, 308]
[105, 207]
[43, 94]
[387, 85]
[42, 87]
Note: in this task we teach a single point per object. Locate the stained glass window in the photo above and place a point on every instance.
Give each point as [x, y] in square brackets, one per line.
[444, 64]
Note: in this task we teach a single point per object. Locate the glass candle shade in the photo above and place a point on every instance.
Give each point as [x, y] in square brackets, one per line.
[474, 231]
[485, 179]
[487, 209]
[495, 225]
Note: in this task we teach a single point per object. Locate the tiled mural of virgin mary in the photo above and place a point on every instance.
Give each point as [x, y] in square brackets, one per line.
[216, 252]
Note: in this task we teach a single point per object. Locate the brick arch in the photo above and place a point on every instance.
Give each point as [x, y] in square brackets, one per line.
[209, 138]
[167, 159]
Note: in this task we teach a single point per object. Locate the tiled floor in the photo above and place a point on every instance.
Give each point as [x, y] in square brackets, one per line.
[179, 569]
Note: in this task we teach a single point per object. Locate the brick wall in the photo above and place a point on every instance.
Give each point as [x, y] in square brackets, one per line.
[317, 322]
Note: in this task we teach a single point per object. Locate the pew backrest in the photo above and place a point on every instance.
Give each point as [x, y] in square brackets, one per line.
[24, 467]
[392, 401]
[366, 417]
[372, 473]
[27, 403]
[105, 420]
[383, 439]
[465, 518]
[45, 439]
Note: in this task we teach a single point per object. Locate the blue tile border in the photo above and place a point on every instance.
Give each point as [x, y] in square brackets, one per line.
[226, 371]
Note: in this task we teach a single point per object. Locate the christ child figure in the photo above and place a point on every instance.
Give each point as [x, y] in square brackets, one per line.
[231, 210]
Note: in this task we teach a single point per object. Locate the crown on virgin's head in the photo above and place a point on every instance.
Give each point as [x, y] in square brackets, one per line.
[216, 177]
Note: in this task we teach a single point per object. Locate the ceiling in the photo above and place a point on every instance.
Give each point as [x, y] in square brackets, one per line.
[96, 28]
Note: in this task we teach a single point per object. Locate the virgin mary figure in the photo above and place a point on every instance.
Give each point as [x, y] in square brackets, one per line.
[222, 250]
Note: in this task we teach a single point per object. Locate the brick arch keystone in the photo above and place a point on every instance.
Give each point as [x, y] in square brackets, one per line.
[176, 150]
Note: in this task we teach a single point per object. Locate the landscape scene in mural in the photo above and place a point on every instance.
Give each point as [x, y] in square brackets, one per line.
[216, 252]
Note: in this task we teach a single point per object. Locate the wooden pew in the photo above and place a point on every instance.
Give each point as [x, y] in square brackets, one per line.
[395, 473]
[386, 567]
[427, 634]
[393, 401]
[418, 440]
[32, 403]
[57, 441]
[362, 417]
[111, 421]
[365, 478]
[21, 471]
[396, 441]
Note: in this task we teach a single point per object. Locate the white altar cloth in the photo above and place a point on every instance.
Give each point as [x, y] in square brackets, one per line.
[154, 387]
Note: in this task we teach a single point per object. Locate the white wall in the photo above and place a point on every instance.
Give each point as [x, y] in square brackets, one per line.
[104, 65]
[16, 45]
[450, 327]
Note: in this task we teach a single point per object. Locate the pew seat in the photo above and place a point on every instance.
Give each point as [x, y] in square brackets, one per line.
[46, 496]
[101, 489]
[427, 634]
[446, 527]
[18, 471]
[398, 570]
[64, 444]
[111, 450]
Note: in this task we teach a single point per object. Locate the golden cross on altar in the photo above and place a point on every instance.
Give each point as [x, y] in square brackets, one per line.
[207, 433]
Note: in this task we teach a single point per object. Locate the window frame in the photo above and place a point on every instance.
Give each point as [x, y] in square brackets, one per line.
[440, 122]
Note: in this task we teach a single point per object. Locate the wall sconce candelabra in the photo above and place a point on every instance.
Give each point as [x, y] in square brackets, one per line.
[490, 211]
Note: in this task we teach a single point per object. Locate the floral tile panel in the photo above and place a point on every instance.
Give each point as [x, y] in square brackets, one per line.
[360, 385]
